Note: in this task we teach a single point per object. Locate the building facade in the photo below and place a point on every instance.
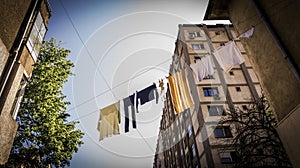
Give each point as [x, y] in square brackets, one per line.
[274, 53]
[23, 26]
[194, 137]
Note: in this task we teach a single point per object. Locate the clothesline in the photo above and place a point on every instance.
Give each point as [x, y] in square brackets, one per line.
[109, 119]
[120, 84]
[208, 71]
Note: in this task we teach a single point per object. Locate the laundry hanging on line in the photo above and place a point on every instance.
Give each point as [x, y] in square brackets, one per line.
[185, 91]
[109, 120]
[180, 95]
[203, 67]
[161, 85]
[129, 102]
[248, 33]
[228, 56]
[146, 95]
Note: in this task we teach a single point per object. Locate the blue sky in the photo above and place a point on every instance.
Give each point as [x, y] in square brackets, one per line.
[128, 46]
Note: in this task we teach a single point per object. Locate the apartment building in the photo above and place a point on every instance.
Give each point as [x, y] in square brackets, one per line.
[194, 137]
[23, 25]
[274, 53]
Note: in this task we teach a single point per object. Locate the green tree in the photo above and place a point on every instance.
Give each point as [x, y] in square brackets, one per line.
[45, 138]
[257, 142]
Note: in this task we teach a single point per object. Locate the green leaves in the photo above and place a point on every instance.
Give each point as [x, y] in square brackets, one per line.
[44, 136]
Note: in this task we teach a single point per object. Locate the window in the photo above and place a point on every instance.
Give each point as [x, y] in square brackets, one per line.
[211, 91]
[215, 110]
[209, 77]
[18, 98]
[231, 73]
[36, 37]
[223, 132]
[217, 32]
[244, 107]
[190, 132]
[228, 157]
[222, 44]
[198, 46]
[238, 89]
[196, 58]
[193, 150]
[194, 34]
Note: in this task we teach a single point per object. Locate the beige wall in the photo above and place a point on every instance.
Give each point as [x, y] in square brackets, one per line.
[14, 13]
[3, 56]
[277, 79]
[9, 102]
[273, 71]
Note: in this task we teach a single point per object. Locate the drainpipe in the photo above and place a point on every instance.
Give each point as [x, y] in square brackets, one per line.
[284, 51]
[10, 69]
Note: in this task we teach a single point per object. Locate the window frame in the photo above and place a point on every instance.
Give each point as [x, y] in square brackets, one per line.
[210, 91]
[219, 110]
[223, 132]
[228, 156]
[199, 46]
[195, 34]
[36, 36]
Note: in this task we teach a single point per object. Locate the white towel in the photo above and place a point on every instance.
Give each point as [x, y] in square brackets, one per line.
[203, 67]
[248, 33]
[229, 56]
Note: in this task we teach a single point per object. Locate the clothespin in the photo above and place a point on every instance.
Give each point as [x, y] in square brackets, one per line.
[161, 85]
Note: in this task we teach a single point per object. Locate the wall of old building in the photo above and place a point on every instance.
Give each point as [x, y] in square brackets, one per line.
[277, 79]
[3, 56]
[14, 13]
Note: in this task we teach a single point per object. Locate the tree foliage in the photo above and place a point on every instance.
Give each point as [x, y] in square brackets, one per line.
[257, 142]
[45, 137]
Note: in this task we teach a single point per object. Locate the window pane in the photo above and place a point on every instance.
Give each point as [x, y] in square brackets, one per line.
[42, 33]
[215, 90]
[212, 111]
[219, 133]
[192, 35]
[33, 35]
[193, 150]
[225, 157]
[225, 160]
[227, 132]
[39, 20]
[190, 131]
[36, 37]
[201, 46]
[195, 47]
[210, 92]
[205, 91]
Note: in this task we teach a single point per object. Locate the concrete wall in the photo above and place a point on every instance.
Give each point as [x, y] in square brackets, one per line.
[277, 79]
[3, 56]
[14, 12]
[9, 102]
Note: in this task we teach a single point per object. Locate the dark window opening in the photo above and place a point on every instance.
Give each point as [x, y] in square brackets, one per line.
[216, 110]
[223, 132]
